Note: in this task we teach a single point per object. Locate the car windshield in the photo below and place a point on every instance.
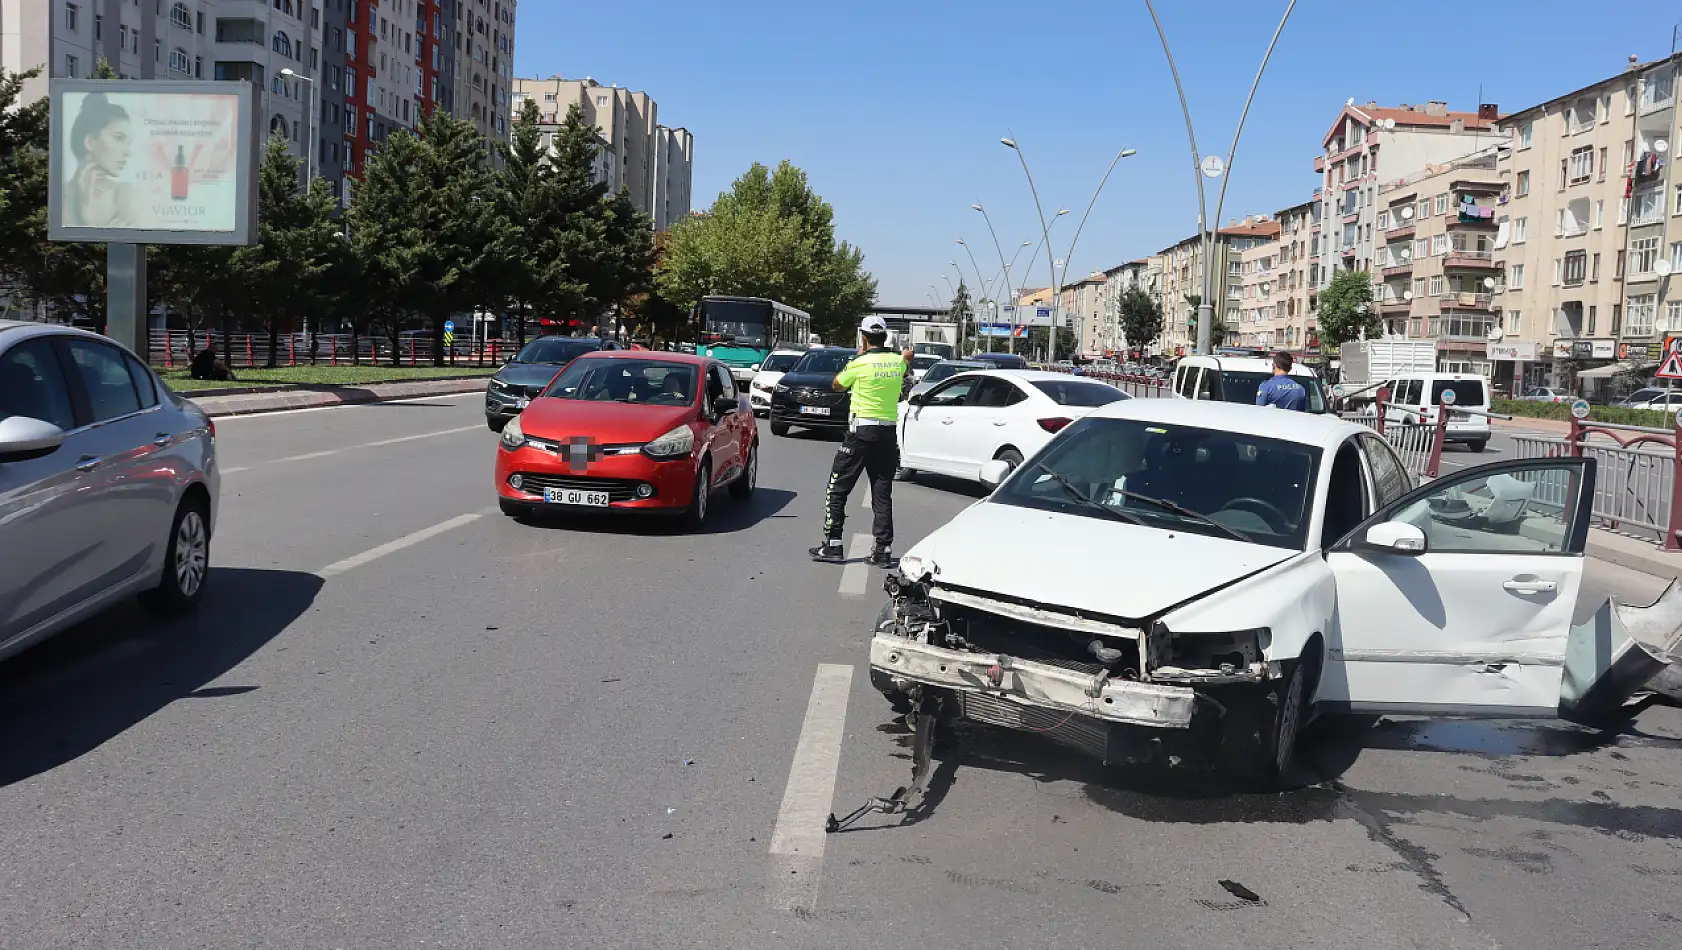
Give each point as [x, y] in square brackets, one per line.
[652, 382]
[1070, 393]
[1241, 387]
[940, 371]
[823, 362]
[1261, 487]
[556, 350]
[923, 362]
[780, 362]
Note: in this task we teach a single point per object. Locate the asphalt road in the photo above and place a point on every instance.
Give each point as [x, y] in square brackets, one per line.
[404, 721]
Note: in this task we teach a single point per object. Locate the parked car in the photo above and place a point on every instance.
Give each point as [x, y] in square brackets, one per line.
[946, 369]
[1230, 378]
[1002, 360]
[1642, 397]
[519, 381]
[1659, 403]
[630, 431]
[1203, 578]
[1414, 400]
[1544, 394]
[921, 364]
[108, 484]
[764, 382]
[973, 418]
[805, 396]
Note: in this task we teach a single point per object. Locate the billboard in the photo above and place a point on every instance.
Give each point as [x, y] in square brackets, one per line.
[152, 162]
[1034, 316]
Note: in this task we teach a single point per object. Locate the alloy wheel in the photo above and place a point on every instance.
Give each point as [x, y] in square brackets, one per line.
[192, 553]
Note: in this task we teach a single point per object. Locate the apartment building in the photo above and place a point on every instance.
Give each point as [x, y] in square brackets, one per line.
[1182, 284]
[639, 154]
[1407, 137]
[484, 67]
[1118, 282]
[1251, 312]
[1435, 275]
[1584, 235]
[1083, 313]
[1295, 282]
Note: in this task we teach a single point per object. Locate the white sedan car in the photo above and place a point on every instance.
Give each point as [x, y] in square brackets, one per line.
[1207, 577]
[764, 382]
[970, 419]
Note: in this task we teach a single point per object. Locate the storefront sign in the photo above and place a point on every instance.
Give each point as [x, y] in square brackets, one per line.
[1585, 349]
[1513, 351]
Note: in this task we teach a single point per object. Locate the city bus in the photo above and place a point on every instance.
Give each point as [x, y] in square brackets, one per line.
[741, 331]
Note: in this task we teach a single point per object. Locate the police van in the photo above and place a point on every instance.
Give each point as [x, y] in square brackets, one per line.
[1234, 376]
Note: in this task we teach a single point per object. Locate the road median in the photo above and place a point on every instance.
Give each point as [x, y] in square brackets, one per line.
[280, 399]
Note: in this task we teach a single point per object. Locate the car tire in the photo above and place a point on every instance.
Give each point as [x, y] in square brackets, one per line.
[700, 502]
[1479, 445]
[1259, 731]
[905, 474]
[779, 428]
[496, 423]
[186, 561]
[746, 482]
[1010, 457]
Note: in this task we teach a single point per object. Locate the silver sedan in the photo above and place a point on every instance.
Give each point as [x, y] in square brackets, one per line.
[108, 484]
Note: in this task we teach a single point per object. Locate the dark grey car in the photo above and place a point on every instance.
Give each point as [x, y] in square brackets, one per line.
[108, 484]
[523, 377]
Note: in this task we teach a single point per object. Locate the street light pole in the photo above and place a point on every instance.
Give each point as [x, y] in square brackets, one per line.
[310, 142]
[1205, 233]
[1045, 228]
[980, 283]
[1069, 258]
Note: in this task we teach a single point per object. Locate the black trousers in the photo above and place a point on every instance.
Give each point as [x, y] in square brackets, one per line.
[867, 449]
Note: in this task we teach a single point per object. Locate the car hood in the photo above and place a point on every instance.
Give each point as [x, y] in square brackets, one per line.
[766, 378]
[814, 380]
[607, 422]
[1085, 564]
[528, 374]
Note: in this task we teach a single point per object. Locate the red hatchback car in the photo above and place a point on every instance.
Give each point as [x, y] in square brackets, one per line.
[630, 430]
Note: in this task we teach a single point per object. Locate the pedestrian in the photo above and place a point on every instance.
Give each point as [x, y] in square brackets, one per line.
[1282, 391]
[877, 378]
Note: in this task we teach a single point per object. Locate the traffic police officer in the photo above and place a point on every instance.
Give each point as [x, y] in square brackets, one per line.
[877, 379]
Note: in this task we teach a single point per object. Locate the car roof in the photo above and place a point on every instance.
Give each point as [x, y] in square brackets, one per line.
[1030, 376]
[15, 330]
[658, 356]
[1327, 432]
[1246, 364]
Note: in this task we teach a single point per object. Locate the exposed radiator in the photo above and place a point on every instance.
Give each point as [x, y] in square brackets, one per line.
[1090, 736]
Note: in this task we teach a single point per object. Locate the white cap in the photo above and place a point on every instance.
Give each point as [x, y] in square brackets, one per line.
[873, 324]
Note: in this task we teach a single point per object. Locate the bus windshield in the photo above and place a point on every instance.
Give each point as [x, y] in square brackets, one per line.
[743, 322]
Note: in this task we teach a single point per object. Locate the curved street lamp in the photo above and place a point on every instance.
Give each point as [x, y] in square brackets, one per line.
[1205, 234]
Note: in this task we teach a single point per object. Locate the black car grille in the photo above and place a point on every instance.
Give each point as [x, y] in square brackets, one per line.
[618, 489]
[808, 396]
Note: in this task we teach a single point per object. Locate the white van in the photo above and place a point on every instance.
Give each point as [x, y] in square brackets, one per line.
[1422, 393]
[1236, 379]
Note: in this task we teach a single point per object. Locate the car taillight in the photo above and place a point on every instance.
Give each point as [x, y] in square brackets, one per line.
[1054, 424]
[212, 427]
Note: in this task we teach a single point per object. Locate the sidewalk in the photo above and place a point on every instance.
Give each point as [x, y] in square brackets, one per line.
[1633, 553]
[1558, 426]
[312, 397]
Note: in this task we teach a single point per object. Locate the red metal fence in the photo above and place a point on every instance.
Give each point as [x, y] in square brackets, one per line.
[175, 348]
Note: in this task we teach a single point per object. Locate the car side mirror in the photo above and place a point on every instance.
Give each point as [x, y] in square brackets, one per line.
[1395, 537]
[23, 439]
[724, 405]
[994, 472]
[916, 399]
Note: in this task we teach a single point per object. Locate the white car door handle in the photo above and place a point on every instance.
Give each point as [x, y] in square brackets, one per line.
[1529, 587]
[1000, 422]
[946, 422]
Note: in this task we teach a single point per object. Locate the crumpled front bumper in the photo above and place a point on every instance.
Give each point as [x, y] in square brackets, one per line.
[1029, 683]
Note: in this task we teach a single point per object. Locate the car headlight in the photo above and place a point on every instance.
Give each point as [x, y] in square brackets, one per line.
[674, 444]
[497, 383]
[513, 437]
[915, 568]
[781, 388]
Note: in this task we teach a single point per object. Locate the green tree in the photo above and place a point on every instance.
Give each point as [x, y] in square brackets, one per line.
[772, 236]
[285, 272]
[1141, 318]
[536, 277]
[962, 313]
[630, 251]
[424, 224]
[1346, 309]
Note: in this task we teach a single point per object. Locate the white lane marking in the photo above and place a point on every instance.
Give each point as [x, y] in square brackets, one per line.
[223, 420]
[856, 573]
[797, 841]
[350, 448]
[390, 547]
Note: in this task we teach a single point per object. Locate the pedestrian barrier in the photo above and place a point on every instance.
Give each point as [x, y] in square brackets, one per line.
[175, 348]
[1139, 387]
[1635, 485]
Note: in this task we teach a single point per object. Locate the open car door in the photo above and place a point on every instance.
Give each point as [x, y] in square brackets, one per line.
[1457, 599]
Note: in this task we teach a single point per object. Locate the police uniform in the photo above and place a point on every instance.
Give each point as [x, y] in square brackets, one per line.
[877, 381]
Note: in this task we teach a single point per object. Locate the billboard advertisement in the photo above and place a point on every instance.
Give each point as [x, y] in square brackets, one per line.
[152, 162]
[1034, 316]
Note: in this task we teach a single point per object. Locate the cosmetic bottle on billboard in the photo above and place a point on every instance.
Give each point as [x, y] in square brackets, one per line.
[178, 175]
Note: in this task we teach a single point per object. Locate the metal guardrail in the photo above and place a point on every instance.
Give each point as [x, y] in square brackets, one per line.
[173, 348]
[1635, 489]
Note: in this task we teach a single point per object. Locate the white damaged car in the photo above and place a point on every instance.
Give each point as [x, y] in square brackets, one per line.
[1167, 574]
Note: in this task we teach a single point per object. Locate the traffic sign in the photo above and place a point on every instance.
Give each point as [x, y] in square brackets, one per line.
[1580, 409]
[449, 326]
[449, 337]
[1671, 368]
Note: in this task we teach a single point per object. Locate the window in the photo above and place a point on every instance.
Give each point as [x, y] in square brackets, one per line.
[282, 43]
[1422, 247]
[1599, 214]
[1515, 323]
[72, 68]
[1523, 184]
[1521, 230]
[1672, 316]
[1576, 267]
[1678, 208]
[1437, 286]
[1649, 207]
[1645, 253]
[72, 17]
[198, 67]
[1641, 311]
[1439, 245]
[1676, 257]
[145, 386]
[1602, 174]
[1659, 89]
[1525, 132]
[1594, 268]
[1441, 206]
[181, 16]
[105, 376]
[1528, 509]
[1389, 477]
[1558, 269]
[1515, 277]
[1419, 286]
[178, 61]
[1384, 220]
[1581, 165]
[32, 385]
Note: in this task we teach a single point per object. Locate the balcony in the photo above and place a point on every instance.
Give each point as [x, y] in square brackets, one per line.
[1401, 269]
[1477, 220]
[1394, 307]
[1469, 260]
[1399, 232]
[1466, 301]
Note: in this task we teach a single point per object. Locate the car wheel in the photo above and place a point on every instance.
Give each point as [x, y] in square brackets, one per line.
[696, 516]
[1479, 445]
[746, 482]
[186, 561]
[779, 428]
[1010, 457]
[905, 474]
[1259, 733]
[496, 423]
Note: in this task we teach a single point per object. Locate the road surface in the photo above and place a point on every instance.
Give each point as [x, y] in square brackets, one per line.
[402, 720]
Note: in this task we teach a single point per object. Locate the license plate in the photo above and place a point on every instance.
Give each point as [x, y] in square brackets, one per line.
[572, 496]
[814, 410]
[521, 403]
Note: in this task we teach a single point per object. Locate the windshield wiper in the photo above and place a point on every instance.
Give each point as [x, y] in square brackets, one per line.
[1182, 511]
[1087, 500]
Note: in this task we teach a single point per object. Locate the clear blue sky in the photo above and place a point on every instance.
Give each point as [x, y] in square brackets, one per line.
[895, 107]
